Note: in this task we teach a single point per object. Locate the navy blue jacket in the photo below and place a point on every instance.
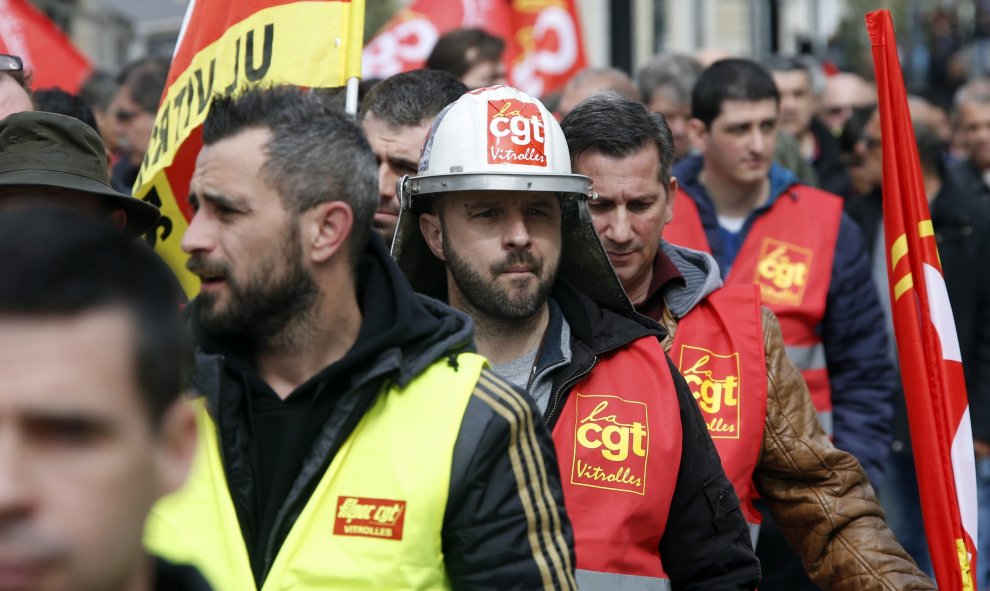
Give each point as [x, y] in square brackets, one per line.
[853, 330]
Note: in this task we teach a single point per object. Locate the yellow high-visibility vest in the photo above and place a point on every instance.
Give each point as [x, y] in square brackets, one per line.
[374, 520]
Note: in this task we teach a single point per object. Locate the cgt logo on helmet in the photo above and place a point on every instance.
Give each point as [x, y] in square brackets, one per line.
[516, 133]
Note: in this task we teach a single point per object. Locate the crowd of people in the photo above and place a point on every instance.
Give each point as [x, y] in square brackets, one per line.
[631, 335]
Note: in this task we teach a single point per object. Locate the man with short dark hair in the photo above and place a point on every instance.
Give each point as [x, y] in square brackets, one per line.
[473, 56]
[731, 352]
[92, 425]
[60, 161]
[496, 224]
[396, 116]
[15, 93]
[800, 81]
[795, 243]
[139, 91]
[56, 100]
[351, 441]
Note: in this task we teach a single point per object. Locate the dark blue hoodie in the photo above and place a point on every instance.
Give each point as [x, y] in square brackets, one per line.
[853, 329]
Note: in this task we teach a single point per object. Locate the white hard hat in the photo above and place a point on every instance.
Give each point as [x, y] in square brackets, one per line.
[501, 139]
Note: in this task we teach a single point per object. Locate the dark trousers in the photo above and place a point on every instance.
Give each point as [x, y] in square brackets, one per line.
[782, 569]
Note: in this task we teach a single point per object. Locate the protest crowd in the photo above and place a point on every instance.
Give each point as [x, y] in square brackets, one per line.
[634, 333]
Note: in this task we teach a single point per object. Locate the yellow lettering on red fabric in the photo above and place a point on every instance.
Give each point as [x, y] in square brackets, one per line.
[782, 272]
[611, 443]
[715, 383]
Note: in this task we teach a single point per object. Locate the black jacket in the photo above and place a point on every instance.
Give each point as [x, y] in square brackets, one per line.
[706, 543]
[831, 170]
[485, 541]
[962, 232]
[176, 577]
[968, 182]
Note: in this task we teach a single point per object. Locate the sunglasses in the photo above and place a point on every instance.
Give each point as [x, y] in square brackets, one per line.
[123, 116]
[871, 142]
[14, 66]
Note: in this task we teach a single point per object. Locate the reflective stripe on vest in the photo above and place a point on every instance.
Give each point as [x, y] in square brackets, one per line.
[374, 520]
[754, 534]
[618, 441]
[718, 347]
[589, 579]
[788, 252]
[811, 361]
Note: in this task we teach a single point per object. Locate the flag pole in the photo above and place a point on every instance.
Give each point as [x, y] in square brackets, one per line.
[351, 98]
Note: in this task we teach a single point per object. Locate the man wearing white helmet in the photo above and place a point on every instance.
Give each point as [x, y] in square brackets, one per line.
[497, 225]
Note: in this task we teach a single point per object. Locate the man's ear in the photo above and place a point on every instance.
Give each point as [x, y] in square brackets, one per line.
[177, 439]
[698, 134]
[326, 228]
[118, 219]
[430, 226]
[668, 215]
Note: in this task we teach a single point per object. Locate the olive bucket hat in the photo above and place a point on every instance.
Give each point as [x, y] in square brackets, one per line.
[57, 151]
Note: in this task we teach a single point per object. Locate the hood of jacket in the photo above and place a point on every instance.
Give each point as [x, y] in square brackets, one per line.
[701, 278]
[402, 332]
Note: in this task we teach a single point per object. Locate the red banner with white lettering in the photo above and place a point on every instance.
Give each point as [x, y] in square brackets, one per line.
[543, 47]
[27, 33]
[927, 346]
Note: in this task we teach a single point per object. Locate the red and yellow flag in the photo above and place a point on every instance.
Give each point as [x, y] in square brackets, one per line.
[927, 346]
[226, 47]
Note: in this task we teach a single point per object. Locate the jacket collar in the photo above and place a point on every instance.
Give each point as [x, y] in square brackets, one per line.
[688, 173]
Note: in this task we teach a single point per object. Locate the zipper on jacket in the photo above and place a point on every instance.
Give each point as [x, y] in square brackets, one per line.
[549, 418]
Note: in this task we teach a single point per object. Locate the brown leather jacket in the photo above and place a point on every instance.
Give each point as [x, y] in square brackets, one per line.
[819, 495]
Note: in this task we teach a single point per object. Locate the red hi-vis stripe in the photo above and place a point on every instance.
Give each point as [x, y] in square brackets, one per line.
[938, 410]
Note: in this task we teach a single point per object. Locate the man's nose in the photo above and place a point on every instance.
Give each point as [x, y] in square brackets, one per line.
[198, 236]
[15, 494]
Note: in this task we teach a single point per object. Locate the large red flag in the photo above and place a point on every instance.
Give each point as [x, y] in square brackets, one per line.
[26, 32]
[543, 47]
[927, 346]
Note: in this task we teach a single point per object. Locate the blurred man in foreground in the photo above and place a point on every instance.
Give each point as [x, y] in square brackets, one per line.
[92, 428]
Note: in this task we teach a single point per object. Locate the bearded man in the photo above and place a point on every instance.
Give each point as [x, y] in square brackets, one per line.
[350, 441]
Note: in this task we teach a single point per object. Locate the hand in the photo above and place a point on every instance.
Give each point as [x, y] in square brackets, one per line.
[981, 447]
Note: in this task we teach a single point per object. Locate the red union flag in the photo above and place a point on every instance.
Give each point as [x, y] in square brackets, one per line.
[543, 38]
[931, 367]
[226, 48]
[27, 33]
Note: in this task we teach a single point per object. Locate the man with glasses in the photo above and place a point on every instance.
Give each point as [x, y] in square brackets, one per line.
[140, 87]
[14, 93]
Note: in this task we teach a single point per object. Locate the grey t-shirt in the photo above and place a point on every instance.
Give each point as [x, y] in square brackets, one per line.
[518, 371]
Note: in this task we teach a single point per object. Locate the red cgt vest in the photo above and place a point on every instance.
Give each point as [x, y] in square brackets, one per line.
[788, 253]
[718, 347]
[618, 441]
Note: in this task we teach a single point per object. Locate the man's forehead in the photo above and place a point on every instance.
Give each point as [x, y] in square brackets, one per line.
[665, 100]
[85, 360]
[973, 109]
[237, 154]
[792, 78]
[382, 133]
[739, 111]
